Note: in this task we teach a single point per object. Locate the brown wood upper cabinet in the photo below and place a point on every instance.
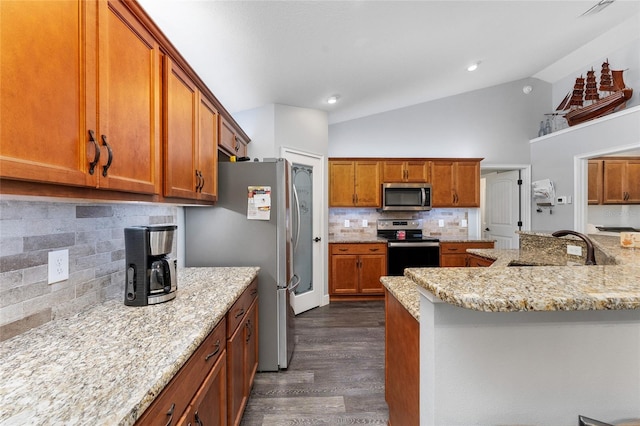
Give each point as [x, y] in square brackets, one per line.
[191, 150]
[354, 183]
[231, 142]
[621, 182]
[455, 183]
[614, 180]
[80, 96]
[405, 171]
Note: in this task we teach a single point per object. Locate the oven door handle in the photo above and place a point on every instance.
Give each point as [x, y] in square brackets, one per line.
[413, 244]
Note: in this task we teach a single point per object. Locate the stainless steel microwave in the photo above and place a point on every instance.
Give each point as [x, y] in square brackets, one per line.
[406, 196]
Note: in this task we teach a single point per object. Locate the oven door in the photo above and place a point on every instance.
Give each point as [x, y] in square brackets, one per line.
[411, 254]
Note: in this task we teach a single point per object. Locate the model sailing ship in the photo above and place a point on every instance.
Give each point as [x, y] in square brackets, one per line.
[587, 101]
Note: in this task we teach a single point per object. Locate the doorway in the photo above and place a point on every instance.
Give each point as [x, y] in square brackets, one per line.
[505, 204]
[308, 259]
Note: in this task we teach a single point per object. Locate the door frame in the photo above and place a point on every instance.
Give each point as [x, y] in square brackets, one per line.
[525, 170]
[320, 262]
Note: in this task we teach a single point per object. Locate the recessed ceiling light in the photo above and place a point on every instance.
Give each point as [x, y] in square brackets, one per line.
[333, 99]
[473, 66]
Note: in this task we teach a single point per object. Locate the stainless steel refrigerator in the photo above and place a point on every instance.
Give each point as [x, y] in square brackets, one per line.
[251, 226]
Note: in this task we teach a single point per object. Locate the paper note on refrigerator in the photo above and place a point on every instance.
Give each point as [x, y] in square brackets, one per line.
[259, 203]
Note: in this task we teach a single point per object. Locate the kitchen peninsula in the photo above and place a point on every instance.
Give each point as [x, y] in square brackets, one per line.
[107, 364]
[529, 345]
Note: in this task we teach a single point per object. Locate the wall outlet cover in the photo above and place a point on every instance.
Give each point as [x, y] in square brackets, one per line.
[575, 250]
[346, 223]
[441, 223]
[365, 223]
[58, 267]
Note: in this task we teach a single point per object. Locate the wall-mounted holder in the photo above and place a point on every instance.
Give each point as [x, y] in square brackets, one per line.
[544, 194]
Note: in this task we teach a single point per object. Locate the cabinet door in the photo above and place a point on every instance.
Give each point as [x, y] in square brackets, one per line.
[417, 171]
[372, 267]
[128, 66]
[467, 184]
[442, 180]
[236, 398]
[181, 127]
[344, 274]
[208, 150]
[43, 88]
[228, 141]
[594, 182]
[614, 176]
[341, 183]
[633, 181]
[251, 347]
[209, 405]
[393, 171]
[367, 183]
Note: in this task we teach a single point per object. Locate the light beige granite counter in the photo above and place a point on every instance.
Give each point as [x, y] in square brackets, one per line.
[105, 365]
[556, 286]
[406, 291]
[355, 239]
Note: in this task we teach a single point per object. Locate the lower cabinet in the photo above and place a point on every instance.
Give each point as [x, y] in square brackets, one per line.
[454, 254]
[402, 364]
[213, 386]
[242, 353]
[355, 270]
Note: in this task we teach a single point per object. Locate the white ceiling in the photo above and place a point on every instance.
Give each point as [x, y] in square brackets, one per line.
[382, 55]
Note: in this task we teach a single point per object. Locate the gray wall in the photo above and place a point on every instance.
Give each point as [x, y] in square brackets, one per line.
[552, 157]
[494, 123]
[94, 236]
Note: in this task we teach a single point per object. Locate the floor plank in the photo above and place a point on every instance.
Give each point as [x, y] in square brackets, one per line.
[336, 375]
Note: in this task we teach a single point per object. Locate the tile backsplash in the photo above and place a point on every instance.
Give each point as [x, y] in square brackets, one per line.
[93, 234]
[452, 218]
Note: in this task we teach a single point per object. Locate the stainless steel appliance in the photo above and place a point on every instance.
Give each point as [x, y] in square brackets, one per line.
[406, 246]
[150, 276]
[406, 196]
[243, 231]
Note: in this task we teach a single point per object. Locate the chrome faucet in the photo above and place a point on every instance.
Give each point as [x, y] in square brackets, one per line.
[591, 255]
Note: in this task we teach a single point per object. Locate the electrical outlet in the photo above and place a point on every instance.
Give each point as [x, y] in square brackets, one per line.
[346, 223]
[58, 266]
[575, 250]
[441, 223]
[365, 223]
[463, 223]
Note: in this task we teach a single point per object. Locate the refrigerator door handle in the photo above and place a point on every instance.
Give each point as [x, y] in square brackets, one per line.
[297, 203]
[295, 278]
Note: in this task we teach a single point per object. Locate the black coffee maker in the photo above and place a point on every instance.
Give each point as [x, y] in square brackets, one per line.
[150, 271]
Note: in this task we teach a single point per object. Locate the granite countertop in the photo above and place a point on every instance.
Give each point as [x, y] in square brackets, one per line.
[355, 239]
[503, 288]
[105, 365]
[406, 291]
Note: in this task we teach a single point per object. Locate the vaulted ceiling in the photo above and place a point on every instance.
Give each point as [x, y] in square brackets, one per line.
[382, 55]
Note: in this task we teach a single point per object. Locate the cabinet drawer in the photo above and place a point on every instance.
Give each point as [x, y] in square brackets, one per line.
[455, 248]
[374, 248]
[241, 307]
[175, 397]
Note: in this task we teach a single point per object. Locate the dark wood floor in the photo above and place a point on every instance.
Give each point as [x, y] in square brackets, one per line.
[336, 375]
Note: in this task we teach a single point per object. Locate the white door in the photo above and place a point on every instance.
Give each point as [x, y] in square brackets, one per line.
[502, 209]
[308, 261]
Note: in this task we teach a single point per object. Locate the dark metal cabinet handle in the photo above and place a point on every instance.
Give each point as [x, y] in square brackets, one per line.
[317, 239]
[197, 418]
[374, 249]
[215, 352]
[249, 330]
[110, 159]
[254, 291]
[96, 156]
[201, 180]
[343, 249]
[240, 313]
[170, 413]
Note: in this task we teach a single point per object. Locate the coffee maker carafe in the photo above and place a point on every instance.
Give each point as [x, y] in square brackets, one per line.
[150, 270]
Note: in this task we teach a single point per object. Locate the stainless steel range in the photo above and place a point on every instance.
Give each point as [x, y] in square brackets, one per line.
[406, 246]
